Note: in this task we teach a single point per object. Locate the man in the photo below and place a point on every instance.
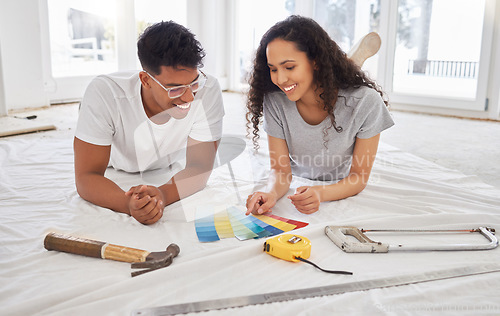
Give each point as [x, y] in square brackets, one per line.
[142, 121]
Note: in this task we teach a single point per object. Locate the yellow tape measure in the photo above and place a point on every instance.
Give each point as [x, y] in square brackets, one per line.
[288, 247]
[293, 248]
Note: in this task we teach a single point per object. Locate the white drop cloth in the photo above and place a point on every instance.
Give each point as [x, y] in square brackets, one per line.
[38, 195]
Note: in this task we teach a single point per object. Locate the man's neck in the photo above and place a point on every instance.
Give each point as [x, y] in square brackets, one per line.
[153, 111]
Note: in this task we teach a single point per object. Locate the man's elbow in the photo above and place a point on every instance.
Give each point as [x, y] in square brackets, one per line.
[82, 189]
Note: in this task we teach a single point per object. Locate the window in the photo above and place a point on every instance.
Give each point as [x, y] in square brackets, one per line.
[82, 37]
[347, 21]
[249, 30]
[438, 51]
[148, 12]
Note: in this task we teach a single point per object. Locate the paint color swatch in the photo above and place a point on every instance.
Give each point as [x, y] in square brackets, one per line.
[290, 221]
[238, 217]
[241, 231]
[284, 226]
[215, 223]
[273, 230]
[223, 225]
[205, 229]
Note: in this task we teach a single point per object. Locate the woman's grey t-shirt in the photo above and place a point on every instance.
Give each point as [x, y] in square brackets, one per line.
[360, 112]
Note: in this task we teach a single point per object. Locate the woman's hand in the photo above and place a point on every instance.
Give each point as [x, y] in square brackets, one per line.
[306, 199]
[260, 202]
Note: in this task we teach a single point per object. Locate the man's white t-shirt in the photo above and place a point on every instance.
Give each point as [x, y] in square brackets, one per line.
[112, 113]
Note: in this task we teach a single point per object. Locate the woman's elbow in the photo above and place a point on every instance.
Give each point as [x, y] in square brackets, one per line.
[360, 181]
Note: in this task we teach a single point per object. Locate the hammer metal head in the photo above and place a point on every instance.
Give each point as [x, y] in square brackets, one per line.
[156, 260]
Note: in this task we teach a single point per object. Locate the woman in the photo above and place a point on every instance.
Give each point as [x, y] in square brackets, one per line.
[322, 114]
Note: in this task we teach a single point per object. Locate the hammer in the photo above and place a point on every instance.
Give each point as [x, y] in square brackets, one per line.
[98, 249]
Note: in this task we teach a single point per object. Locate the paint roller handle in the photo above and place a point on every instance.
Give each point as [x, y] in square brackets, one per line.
[93, 248]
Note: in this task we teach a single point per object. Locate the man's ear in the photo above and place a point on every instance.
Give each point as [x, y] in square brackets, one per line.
[144, 77]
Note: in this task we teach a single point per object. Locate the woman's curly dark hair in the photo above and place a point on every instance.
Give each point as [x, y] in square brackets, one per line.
[333, 71]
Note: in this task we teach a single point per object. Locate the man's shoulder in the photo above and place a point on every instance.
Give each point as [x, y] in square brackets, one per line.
[118, 77]
[211, 92]
[118, 82]
[212, 83]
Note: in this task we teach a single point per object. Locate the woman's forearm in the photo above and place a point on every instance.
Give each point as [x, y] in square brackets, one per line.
[351, 185]
[278, 183]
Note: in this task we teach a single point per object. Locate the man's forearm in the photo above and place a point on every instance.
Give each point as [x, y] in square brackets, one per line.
[185, 183]
[103, 192]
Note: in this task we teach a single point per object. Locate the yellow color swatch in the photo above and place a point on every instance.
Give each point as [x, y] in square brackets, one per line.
[223, 224]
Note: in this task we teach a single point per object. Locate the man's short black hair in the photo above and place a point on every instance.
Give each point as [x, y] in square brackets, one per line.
[168, 44]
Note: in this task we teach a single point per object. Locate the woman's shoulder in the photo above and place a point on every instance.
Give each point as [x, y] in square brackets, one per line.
[359, 92]
[358, 96]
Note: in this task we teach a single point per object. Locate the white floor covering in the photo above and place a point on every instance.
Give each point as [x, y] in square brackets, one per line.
[431, 172]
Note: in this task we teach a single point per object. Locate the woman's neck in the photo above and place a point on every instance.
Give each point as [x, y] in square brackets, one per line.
[313, 112]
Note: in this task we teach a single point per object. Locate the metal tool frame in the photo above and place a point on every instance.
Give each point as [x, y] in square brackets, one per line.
[339, 235]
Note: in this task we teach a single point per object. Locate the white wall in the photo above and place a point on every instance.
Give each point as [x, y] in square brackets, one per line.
[494, 80]
[3, 105]
[207, 18]
[21, 54]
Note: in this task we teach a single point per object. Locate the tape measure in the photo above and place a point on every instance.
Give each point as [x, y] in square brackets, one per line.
[288, 247]
[293, 248]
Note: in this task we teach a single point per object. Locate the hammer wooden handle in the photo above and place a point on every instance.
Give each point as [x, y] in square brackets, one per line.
[92, 248]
